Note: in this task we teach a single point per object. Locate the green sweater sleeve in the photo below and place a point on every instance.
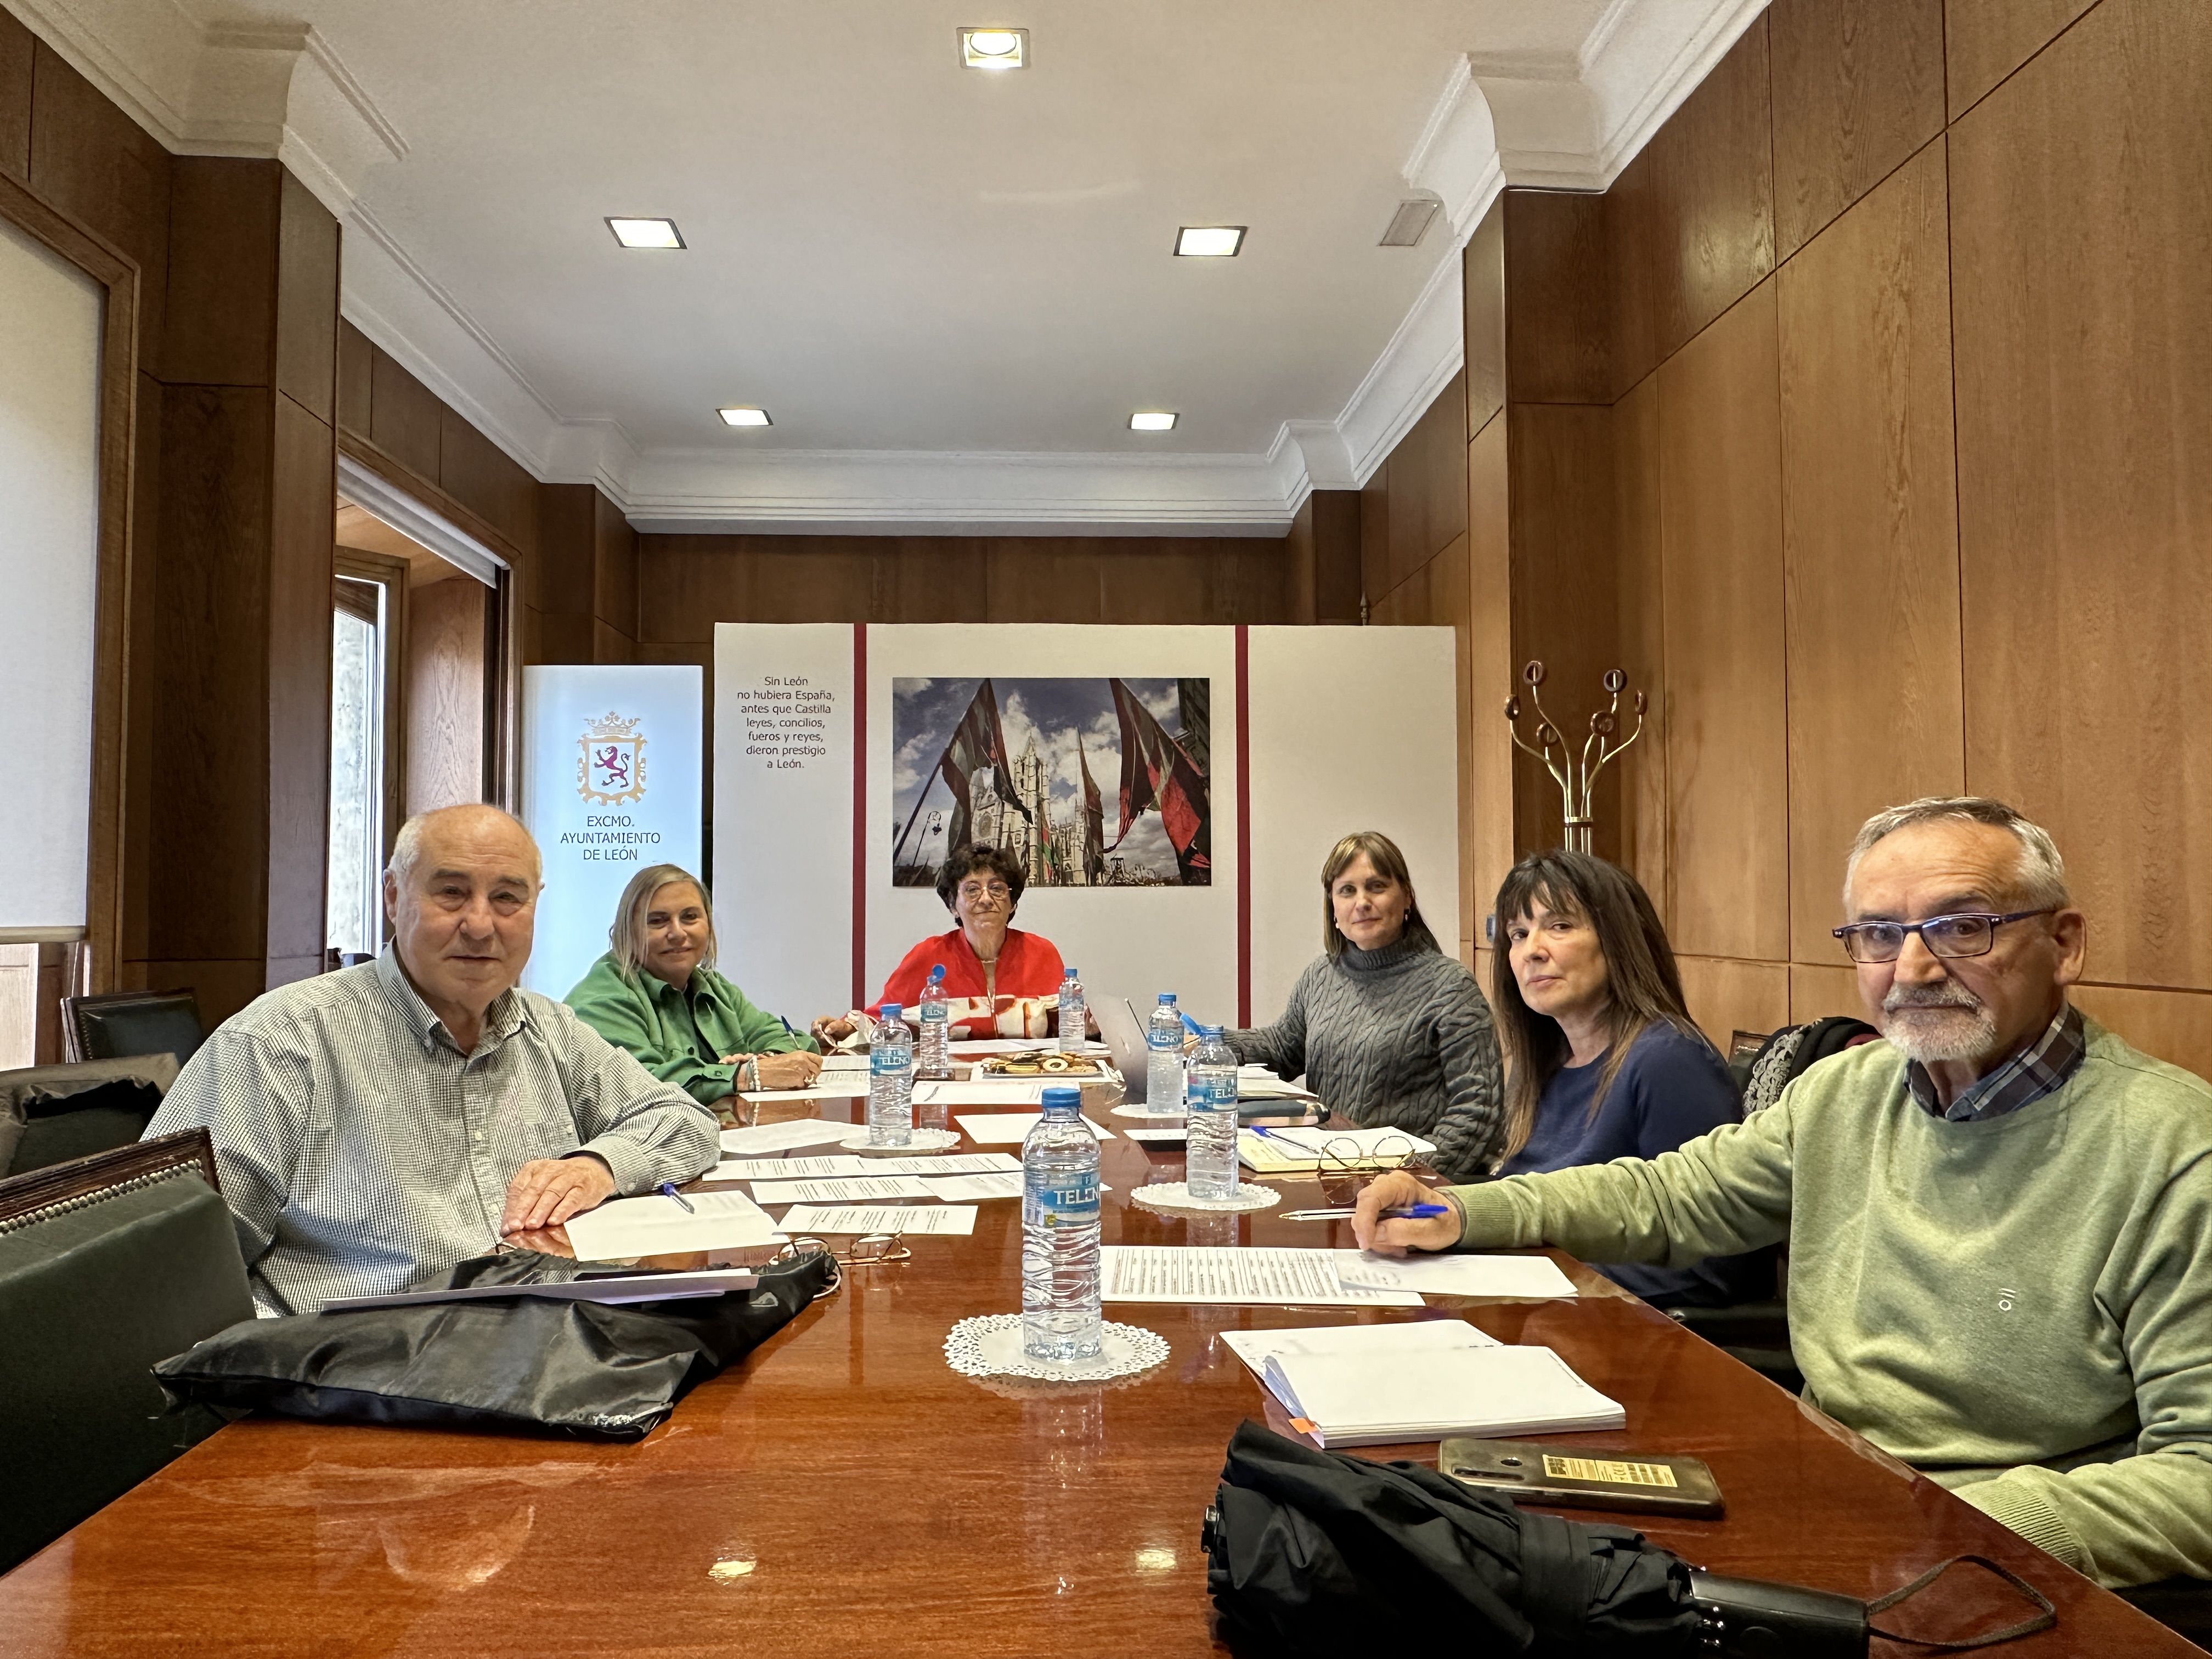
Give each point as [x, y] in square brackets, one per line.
[1723, 1194]
[621, 1013]
[758, 1031]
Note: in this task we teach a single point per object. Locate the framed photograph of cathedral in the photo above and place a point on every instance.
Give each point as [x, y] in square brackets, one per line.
[1092, 782]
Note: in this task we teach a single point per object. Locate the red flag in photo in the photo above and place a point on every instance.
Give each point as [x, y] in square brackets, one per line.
[1094, 820]
[977, 742]
[1156, 773]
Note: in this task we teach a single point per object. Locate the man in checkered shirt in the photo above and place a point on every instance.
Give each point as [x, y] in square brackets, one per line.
[377, 1123]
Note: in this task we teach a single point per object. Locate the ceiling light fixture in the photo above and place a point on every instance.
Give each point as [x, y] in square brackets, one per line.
[1209, 241]
[1411, 221]
[994, 48]
[744, 417]
[1151, 420]
[646, 233]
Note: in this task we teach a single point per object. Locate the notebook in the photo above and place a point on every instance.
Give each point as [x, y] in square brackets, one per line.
[1368, 1385]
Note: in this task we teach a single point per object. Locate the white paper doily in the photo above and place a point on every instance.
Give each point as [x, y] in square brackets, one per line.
[1178, 1195]
[1145, 1113]
[922, 1140]
[990, 1345]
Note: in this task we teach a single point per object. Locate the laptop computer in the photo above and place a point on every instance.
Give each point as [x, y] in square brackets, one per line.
[1124, 1036]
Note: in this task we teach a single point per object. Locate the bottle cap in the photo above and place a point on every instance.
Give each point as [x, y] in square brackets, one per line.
[1070, 974]
[1167, 996]
[1209, 1031]
[892, 1011]
[1060, 1097]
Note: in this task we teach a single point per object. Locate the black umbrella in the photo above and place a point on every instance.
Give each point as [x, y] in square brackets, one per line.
[1313, 1551]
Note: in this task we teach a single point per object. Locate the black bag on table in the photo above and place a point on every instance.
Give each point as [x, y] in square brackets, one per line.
[591, 1369]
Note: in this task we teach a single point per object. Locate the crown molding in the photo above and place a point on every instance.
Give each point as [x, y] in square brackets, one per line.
[1548, 120]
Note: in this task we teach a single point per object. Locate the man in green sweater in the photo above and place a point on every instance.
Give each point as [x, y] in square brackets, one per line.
[1997, 1217]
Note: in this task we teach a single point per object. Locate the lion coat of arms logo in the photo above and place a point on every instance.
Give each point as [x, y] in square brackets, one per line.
[610, 760]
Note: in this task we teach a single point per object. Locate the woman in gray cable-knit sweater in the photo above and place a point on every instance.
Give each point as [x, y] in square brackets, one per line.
[1386, 1028]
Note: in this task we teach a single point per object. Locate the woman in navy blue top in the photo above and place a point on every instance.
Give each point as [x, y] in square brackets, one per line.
[1602, 1060]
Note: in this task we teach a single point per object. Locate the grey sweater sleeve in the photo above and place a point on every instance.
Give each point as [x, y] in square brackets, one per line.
[1469, 1134]
[1281, 1048]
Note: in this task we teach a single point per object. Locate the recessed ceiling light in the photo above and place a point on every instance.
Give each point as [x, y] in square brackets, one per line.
[994, 48]
[1209, 241]
[1151, 420]
[646, 233]
[744, 417]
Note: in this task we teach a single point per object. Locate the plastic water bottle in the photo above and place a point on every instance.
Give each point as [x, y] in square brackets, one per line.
[932, 1054]
[1164, 1058]
[1210, 1138]
[890, 1081]
[1074, 1015]
[1059, 1233]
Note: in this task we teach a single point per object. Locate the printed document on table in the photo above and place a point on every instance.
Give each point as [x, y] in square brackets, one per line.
[1234, 1276]
[892, 1218]
[781, 1137]
[963, 1188]
[1177, 1136]
[978, 1091]
[658, 1225]
[852, 1164]
[844, 1063]
[1010, 1128]
[830, 1085]
[1454, 1274]
[849, 1190]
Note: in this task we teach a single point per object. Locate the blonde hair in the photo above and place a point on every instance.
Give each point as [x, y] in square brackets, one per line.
[1382, 853]
[627, 936]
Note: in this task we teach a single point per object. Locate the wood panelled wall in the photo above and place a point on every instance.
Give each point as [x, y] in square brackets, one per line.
[1868, 418]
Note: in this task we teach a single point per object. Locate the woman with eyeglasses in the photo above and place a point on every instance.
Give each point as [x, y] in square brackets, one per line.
[657, 994]
[998, 980]
[1602, 1060]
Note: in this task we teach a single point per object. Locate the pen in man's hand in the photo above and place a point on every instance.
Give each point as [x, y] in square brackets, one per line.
[668, 1190]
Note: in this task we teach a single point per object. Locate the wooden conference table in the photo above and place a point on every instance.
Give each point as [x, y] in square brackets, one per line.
[842, 1493]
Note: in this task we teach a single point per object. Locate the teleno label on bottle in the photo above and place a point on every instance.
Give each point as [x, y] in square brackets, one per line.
[1216, 1092]
[1072, 1200]
[882, 1060]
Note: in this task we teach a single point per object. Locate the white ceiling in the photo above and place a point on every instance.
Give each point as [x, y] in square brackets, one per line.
[949, 287]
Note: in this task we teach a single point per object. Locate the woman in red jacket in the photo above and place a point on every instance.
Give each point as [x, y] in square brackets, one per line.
[998, 980]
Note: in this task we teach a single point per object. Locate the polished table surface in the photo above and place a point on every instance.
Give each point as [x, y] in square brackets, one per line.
[843, 1493]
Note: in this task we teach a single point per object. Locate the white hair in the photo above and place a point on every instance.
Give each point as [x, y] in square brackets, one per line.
[407, 845]
[2039, 878]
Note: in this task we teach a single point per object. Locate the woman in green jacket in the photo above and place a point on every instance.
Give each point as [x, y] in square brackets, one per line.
[657, 994]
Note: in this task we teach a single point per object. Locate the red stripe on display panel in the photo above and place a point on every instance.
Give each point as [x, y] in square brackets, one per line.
[1243, 826]
[859, 814]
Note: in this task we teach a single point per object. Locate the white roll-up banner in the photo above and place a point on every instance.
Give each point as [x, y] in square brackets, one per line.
[611, 769]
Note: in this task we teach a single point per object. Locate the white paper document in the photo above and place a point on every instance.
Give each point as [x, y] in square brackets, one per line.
[830, 1085]
[844, 1063]
[1455, 1274]
[1399, 1336]
[1010, 1128]
[967, 1188]
[896, 1218]
[1235, 1276]
[1164, 1135]
[852, 1164]
[848, 1189]
[982, 1091]
[659, 1225]
[781, 1137]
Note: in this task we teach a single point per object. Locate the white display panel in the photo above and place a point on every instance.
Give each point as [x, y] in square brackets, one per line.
[783, 813]
[1352, 728]
[611, 783]
[1131, 942]
[50, 334]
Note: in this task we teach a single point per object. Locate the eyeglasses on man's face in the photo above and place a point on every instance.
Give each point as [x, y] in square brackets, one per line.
[973, 890]
[1970, 935]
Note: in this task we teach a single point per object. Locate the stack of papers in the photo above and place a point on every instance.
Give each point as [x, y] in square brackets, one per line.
[630, 1227]
[1010, 1128]
[1454, 1274]
[1258, 1082]
[1236, 1277]
[1367, 1385]
[830, 1085]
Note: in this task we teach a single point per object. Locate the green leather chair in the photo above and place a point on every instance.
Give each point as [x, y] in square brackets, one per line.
[52, 1114]
[108, 1264]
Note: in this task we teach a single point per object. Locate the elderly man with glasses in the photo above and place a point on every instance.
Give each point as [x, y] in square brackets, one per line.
[1997, 1218]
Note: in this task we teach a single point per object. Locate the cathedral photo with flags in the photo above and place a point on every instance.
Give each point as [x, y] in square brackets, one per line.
[1017, 763]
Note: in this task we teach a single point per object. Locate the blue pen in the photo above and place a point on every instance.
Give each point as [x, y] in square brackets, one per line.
[1415, 1211]
[668, 1190]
